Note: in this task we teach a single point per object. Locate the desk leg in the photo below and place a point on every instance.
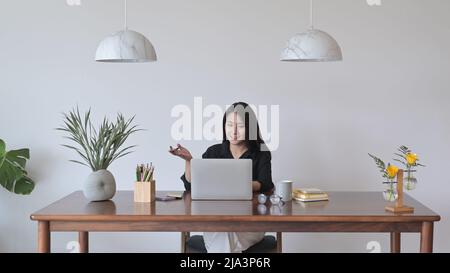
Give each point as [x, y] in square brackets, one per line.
[396, 242]
[279, 242]
[83, 240]
[43, 236]
[426, 237]
[184, 237]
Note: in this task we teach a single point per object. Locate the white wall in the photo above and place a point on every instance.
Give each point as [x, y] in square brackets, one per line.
[391, 89]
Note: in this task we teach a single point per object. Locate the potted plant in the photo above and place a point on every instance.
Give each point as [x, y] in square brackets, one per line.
[98, 149]
[389, 173]
[410, 161]
[13, 175]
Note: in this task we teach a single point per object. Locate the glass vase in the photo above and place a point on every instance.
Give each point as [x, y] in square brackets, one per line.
[390, 194]
[410, 182]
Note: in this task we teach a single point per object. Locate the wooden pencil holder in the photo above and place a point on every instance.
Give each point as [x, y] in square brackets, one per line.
[399, 207]
[144, 192]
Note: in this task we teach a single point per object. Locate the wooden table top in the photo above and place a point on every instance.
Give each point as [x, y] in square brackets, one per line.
[342, 207]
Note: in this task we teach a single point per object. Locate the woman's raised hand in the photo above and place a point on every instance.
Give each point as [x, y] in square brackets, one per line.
[181, 152]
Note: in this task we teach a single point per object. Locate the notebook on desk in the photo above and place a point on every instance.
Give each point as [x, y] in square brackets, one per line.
[309, 195]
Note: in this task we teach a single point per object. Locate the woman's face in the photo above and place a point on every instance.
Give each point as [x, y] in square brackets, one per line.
[235, 128]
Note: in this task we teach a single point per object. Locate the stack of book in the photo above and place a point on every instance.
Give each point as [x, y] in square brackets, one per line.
[309, 195]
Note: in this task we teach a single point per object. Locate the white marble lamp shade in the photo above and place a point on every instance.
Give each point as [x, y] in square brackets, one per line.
[126, 46]
[312, 46]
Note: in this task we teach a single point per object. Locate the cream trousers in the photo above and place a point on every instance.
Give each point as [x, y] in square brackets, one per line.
[230, 242]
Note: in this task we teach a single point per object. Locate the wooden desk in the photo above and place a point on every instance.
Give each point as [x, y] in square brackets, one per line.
[345, 212]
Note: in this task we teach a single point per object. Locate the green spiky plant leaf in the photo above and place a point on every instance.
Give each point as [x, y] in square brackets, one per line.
[98, 148]
[13, 175]
[381, 165]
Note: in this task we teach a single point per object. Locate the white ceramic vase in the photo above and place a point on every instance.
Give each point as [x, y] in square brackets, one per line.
[99, 186]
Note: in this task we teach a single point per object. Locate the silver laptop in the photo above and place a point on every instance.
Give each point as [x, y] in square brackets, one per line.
[221, 179]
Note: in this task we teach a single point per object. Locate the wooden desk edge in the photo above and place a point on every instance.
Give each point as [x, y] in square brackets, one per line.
[258, 218]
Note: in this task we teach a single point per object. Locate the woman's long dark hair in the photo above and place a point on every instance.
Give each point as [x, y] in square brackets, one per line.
[253, 138]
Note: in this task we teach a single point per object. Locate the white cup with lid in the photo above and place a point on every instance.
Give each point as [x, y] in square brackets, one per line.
[283, 189]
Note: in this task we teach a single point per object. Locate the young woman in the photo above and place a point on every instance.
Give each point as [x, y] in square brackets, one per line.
[241, 140]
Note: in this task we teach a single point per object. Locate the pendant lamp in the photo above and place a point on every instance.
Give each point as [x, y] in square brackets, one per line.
[314, 45]
[125, 46]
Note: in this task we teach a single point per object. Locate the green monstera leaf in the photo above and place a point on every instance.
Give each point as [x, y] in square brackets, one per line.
[13, 175]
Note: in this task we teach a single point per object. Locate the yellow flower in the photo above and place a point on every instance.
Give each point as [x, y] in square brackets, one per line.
[411, 158]
[392, 171]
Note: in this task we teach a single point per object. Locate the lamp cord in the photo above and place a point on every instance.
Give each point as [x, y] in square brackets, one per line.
[312, 14]
[126, 19]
